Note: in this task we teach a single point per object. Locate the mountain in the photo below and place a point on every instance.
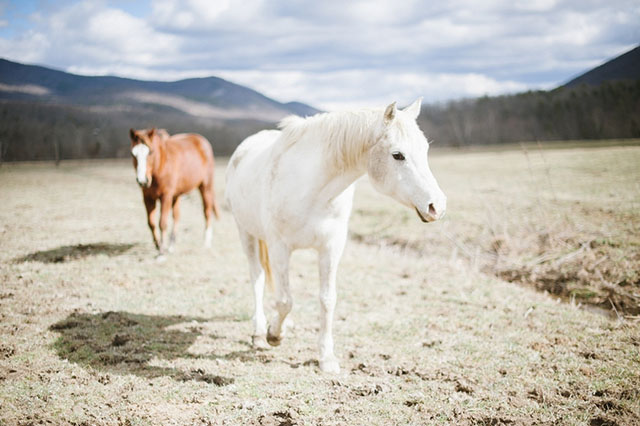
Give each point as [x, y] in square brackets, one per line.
[209, 97]
[46, 114]
[602, 103]
[623, 67]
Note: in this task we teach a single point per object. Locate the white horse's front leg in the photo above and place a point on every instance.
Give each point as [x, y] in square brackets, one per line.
[256, 276]
[279, 255]
[328, 263]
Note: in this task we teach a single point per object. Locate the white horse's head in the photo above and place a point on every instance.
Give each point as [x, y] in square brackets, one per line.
[398, 165]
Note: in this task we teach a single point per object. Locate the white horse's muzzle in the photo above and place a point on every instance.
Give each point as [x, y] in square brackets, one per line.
[435, 211]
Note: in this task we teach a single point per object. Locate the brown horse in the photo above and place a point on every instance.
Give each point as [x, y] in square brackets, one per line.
[167, 167]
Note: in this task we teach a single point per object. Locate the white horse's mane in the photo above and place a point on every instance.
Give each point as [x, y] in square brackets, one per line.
[345, 135]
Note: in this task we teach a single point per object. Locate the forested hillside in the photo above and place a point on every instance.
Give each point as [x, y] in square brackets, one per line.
[37, 131]
[607, 111]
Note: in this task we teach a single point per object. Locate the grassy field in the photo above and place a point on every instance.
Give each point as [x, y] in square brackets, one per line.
[520, 307]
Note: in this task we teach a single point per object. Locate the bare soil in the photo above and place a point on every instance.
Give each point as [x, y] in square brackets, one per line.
[432, 325]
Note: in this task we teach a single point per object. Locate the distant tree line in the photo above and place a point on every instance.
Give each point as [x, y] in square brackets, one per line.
[41, 131]
[608, 111]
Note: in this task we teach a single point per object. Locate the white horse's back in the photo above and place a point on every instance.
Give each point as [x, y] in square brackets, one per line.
[251, 150]
[245, 177]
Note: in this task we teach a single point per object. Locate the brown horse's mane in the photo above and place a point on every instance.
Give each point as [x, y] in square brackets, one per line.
[162, 136]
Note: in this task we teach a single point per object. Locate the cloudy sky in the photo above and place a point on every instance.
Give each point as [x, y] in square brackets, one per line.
[332, 54]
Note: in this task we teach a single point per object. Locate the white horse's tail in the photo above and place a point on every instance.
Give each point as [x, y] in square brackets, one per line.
[264, 261]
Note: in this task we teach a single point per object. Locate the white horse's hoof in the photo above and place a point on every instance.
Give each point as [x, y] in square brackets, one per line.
[274, 340]
[161, 258]
[259, 342]
[330, 365]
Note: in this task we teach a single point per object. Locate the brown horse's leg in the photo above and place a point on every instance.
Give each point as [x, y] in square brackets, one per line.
[207, 203]
[174, 225]
[150, 205]
[165, 206]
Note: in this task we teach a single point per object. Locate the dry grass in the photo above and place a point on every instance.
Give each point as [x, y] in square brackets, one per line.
[94, 331]
[566, 222]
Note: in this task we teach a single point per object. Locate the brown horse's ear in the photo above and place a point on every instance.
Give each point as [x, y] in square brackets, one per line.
[152, 133]
[163, 134]
[132, 134]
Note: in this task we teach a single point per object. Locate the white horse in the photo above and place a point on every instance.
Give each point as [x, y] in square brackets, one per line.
[293, 189]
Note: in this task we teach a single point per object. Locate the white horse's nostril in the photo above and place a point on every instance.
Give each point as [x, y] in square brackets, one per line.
[432, 210]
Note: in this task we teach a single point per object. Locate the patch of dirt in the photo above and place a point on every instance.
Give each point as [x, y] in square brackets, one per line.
[6, 295]
[79, 251]
[6, 351]
[200, 375]
[368, 389]
[491, 421]
[589, 272]
[602, 421]
[464, 387]
[278, 418]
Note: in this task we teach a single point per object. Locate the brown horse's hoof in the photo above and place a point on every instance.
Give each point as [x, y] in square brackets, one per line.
[274, 340]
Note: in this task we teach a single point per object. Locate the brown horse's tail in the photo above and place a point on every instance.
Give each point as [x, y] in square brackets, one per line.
[264, 261]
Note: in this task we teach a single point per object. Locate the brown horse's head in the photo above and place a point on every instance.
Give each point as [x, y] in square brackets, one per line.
[145, 149]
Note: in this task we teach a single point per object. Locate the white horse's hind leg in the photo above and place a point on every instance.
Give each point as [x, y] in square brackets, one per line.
[256, 275]
[279, 255]
[328, 260]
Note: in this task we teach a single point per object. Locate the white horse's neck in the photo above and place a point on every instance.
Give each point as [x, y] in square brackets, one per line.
[340, 139]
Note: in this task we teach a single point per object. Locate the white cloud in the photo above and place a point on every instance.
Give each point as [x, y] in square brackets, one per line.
[90, 34]
[201, 15]
[353, 88]
[29, 47]
[334, 53]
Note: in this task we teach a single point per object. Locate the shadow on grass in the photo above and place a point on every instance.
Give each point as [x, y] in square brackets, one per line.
[124, 343]
[79, 251]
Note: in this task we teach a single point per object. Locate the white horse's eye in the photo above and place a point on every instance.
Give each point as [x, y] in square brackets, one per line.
[398, 156]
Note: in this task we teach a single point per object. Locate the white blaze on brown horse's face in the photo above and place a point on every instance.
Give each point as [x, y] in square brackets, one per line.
[140, 150]
[398, 164]
[140, 153]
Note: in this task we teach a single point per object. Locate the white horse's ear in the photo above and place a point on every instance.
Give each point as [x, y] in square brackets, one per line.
[414, 109]
[390, 113]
